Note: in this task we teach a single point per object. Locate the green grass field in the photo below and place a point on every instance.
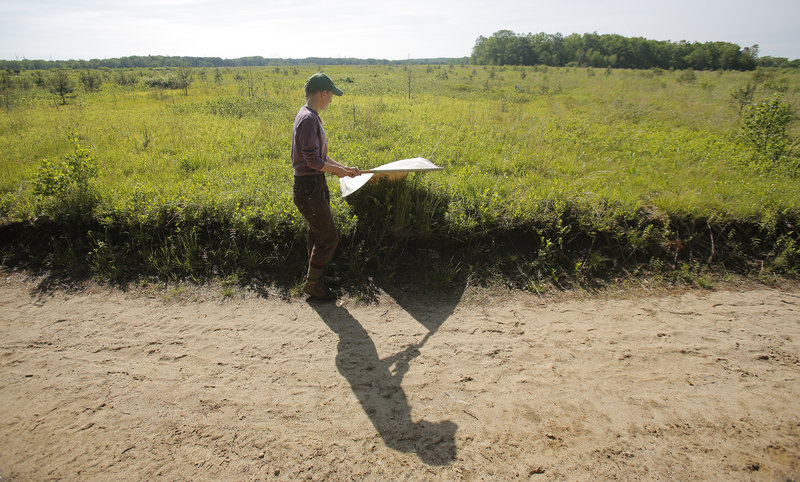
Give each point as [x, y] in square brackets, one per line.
[550, 174]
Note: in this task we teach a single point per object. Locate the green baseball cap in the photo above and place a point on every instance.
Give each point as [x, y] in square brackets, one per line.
[320, 81]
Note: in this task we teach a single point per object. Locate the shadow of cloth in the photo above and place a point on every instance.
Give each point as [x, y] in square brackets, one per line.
[376, 384]
[429, 310]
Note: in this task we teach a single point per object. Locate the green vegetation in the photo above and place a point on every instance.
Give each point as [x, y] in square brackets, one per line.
[590, 49]
[61, 85]
[552, 175]
[162, 61]
[764, 130]
[504, 47]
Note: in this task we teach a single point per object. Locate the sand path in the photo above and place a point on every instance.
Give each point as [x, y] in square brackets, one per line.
[102, 385]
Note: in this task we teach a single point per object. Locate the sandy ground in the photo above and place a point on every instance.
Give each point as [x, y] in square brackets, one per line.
[100, 384]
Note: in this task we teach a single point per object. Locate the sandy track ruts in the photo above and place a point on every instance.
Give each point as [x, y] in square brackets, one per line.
[101, 384]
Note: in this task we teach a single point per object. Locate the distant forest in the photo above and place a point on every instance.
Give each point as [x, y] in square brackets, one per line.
[592, 50]
[502, 48]
[156, 61]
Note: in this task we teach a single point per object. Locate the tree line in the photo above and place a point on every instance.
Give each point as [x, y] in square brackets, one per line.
[502, 48]
[158, 61]
[610, 50]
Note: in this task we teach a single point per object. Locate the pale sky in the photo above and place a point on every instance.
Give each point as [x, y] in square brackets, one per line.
[87, 29]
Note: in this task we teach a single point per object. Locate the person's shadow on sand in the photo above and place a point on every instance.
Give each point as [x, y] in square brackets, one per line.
[378, 389]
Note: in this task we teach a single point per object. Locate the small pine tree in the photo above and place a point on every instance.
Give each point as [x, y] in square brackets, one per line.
[744, 96]
[39, 79]
[123, 79]
[184, 79]
[61, 85]
[687, 76]
[91, 81]
[6, 88]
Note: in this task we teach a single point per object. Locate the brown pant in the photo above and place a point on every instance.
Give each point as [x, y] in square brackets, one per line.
[313, 200]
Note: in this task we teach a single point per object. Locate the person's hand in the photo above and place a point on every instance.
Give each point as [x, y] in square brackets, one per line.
[341, 171]
[347, 171]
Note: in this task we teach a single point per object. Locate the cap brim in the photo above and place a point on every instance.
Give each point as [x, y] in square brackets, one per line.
[337, 91]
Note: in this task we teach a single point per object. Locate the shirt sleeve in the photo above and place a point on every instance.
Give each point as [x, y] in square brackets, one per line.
[308, 140]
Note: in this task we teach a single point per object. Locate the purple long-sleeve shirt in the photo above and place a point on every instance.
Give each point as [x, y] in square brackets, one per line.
[309, 144]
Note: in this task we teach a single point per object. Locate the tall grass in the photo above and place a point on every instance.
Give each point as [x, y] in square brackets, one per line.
[550, 173]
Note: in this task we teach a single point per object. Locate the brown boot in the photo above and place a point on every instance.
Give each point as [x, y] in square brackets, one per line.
[318, 289]
[315, 285]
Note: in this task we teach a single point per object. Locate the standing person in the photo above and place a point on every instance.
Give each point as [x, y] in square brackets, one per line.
[310, 161]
